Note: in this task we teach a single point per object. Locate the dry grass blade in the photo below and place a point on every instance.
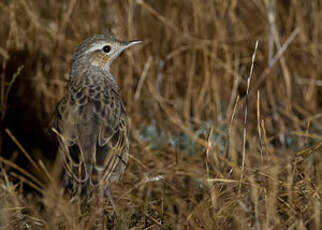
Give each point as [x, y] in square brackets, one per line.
[246, 113]
[276, 57]
[23, 150]
[23, 171]
[142, 78]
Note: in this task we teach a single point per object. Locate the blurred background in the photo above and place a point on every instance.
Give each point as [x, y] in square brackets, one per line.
[185, 91]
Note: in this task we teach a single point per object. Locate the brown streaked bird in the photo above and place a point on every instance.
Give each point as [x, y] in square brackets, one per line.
[91, 119]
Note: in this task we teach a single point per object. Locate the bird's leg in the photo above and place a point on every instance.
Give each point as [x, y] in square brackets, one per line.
[108, 194]
[100, 205]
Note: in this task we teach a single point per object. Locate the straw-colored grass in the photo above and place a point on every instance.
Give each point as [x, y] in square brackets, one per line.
[208, 150]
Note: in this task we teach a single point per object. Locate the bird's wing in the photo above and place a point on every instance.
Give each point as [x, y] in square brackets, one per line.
[112, 142]
[93, 121]
[74, 135]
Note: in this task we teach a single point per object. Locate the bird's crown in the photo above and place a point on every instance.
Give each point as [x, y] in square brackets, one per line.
[101, 50]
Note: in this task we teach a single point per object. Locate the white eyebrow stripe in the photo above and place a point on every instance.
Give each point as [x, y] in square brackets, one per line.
[96, 47]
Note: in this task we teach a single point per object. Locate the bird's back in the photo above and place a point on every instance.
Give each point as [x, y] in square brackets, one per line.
[93, 121]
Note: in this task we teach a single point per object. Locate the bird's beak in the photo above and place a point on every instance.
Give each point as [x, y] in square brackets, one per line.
[131, 43]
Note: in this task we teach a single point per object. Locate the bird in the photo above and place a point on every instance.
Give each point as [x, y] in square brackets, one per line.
[91, 119]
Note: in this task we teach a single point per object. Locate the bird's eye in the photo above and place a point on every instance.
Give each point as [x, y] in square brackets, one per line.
[106, 49]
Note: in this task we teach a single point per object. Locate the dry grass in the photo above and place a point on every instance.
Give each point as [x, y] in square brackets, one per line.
[185, 92]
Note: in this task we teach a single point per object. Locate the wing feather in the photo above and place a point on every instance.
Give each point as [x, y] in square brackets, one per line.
[93, 121]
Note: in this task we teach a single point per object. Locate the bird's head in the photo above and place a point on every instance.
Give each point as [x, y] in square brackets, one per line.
[101, 50]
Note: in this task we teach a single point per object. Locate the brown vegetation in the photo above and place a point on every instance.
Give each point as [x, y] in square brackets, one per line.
[185, 91]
